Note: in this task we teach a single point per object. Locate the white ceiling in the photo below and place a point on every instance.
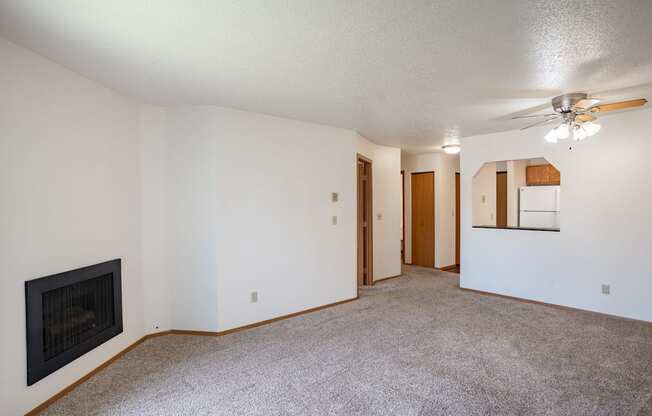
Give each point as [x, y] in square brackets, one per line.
[404, 73]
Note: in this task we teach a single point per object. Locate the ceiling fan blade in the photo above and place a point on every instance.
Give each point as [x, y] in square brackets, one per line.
[540, 123]
[619, 106]
[535, 115]
[586, 103]
[584, 117]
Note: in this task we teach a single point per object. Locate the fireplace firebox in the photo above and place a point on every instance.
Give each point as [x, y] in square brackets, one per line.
[69, 314]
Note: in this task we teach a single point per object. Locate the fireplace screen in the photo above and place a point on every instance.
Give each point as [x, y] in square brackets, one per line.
[69, 314]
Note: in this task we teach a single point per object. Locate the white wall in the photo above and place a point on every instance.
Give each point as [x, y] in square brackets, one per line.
[69, 197]
[249, 209]
[516, 177]
[605, 226]
[157, 260]
[386, 174]
[444, 167]
[204, 205]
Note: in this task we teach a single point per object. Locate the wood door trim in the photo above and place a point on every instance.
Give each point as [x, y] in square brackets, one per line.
[41, 407]
[370, 216]
[458, 218]
[362, 157]
[403, 216]
[502, 199]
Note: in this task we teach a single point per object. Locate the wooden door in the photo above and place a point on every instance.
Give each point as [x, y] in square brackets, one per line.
[457, 219]
[365, 230]
[423, 219]
[501, 199]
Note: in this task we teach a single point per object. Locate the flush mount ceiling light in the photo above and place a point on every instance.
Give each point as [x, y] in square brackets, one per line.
[576, 113]
[452, 149]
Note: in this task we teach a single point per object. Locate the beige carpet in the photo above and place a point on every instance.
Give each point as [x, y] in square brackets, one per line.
[415, 345]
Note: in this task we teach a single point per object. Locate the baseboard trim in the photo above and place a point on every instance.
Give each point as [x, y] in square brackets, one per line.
[38, 409]
[194, 332]
[387, 278]
[552, 305]
[257, 324]
[447, 268]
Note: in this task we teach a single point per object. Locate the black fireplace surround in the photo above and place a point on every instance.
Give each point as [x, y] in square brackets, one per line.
[69, 314]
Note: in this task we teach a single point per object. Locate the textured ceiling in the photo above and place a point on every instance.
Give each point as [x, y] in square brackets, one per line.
[402, 73]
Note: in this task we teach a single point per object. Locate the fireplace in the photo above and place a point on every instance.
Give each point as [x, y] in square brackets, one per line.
[69, 314]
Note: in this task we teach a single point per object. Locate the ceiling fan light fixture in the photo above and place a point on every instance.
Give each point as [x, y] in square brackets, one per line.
[562, 131]
[576, 112]
[551, 137]
[579, 133]
[591, 128]
[451, 149]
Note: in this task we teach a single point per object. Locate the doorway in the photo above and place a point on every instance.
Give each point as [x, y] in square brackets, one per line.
[365, 222]
[501, 199]
[423, 219]
[457, 219]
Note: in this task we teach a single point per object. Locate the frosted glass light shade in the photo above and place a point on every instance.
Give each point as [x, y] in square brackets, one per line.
[563, 131]
[452, 149]
[579, 133]
[551, 137]
[591, 128]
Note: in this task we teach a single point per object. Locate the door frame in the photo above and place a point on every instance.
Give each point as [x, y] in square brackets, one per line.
[498, 173]
[368, 280]
[458, 218]
[434, 220]
[403, 215]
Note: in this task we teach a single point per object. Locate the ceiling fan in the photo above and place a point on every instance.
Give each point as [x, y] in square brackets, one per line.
[577, 113]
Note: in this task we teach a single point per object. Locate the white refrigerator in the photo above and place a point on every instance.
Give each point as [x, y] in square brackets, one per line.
[539, 206]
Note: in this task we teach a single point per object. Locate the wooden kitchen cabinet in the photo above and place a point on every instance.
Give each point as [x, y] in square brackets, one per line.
[538, 175]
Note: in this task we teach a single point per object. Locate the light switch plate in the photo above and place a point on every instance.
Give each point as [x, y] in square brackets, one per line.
[334, 197]
[334, 219]
[254, 297]
[606, 289]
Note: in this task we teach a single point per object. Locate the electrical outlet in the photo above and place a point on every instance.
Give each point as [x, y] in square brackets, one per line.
[606, 289]
[254, 297]
[334, 220]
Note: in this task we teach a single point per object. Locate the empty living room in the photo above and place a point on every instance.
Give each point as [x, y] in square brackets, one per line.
[302, 207]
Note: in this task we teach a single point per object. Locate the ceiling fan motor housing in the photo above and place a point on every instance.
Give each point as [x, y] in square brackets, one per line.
[564, 103]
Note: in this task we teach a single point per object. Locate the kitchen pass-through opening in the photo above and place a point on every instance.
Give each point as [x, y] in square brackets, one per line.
[517, 194]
